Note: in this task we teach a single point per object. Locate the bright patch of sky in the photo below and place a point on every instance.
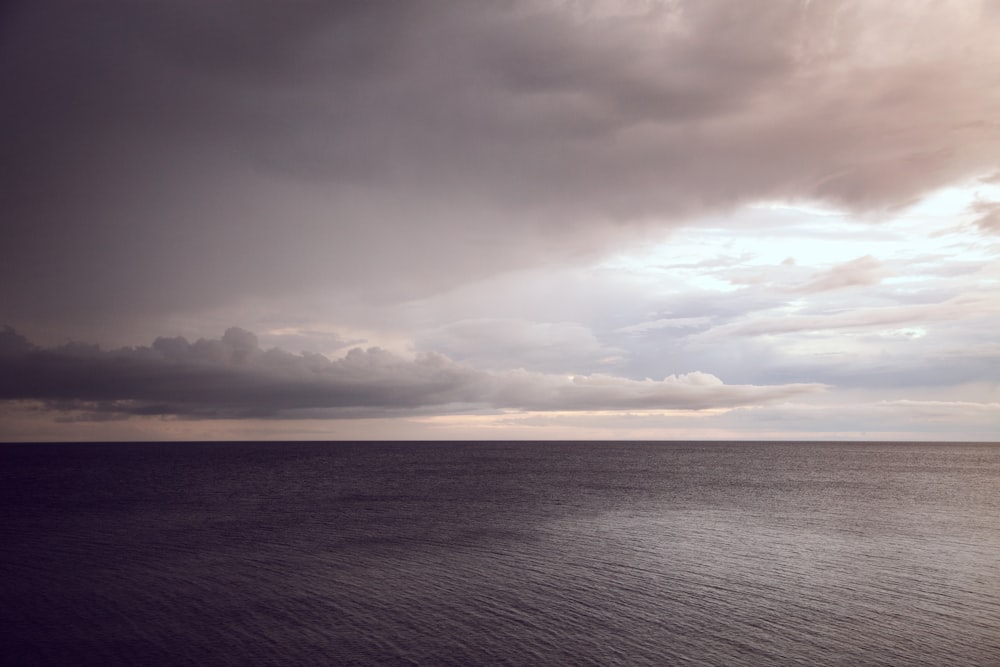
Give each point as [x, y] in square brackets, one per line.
[788, 291]
[773, 235]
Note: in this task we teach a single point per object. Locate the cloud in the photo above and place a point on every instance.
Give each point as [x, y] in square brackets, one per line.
[860, 272]
[966, 306]
[186, 155]
[934, 410]
[987, 216]
[874, 418]
[553, 347]
[666, 323]
[233, 377]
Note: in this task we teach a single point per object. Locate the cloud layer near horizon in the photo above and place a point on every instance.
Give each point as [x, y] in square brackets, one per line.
[185, 155]
[232, 377]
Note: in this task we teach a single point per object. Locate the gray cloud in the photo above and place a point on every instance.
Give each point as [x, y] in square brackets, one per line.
[552, 347]
[233, 377]
[987, 216]
[860, 272]
[163, 157]
[962, 307]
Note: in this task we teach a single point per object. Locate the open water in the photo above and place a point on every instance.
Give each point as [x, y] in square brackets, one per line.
[520, 553]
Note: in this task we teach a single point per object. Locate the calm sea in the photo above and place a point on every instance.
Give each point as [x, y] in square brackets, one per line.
[584, 553]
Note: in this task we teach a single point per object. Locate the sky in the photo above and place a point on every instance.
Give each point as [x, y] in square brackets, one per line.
[538, 219]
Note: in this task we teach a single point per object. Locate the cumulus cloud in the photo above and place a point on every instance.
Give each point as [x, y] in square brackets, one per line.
[234, 377]
[396, 149]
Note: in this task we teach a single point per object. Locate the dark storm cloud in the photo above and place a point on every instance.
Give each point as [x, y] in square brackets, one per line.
[231, 375]
[165, 156]
[234, 377]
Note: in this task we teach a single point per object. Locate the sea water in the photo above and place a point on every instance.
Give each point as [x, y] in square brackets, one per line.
[500, 553]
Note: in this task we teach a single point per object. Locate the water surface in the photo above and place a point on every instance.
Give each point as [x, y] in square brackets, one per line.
[501, 553]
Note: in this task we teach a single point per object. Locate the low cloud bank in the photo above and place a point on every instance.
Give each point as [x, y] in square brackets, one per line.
[233, 377]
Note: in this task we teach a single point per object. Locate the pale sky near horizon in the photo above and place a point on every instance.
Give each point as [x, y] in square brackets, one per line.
[528, 219]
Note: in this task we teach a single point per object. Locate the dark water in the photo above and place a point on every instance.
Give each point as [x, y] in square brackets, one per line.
[500, 553]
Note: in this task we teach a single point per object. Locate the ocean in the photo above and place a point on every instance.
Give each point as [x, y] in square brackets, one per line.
[500, 553]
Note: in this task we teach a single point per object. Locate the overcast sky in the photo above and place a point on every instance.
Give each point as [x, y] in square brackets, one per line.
[538, 219]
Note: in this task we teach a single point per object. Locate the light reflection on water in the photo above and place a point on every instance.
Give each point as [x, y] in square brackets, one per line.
[503, 553]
